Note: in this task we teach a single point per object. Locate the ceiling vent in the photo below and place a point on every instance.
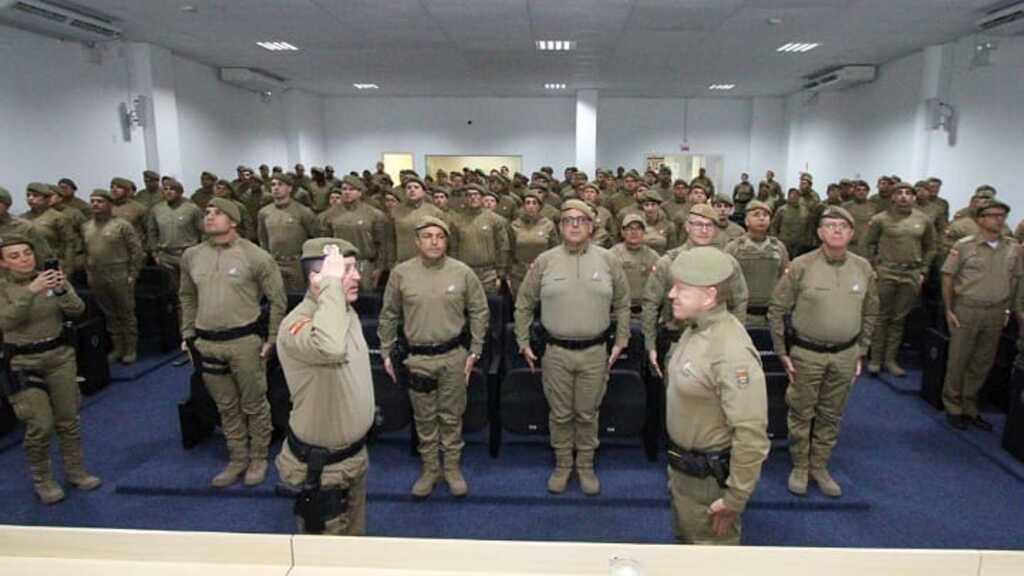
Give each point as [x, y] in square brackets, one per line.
[254, 80]
[1008, 21]
[839, 78]
[57, 21]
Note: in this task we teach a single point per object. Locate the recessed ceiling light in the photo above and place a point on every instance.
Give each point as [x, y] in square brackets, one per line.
[276, 46]
[775, 21]
[721, 87]
[360, 86]
[189, 8]
[797, 47]
[556, 45]
[554, 86]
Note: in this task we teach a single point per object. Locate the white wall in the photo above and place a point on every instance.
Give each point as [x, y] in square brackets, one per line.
[358, 130]
[59, 114]
[748, 134]
[989, 144]
[222, 126]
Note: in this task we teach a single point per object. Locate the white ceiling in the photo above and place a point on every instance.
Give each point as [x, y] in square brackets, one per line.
[486, 47]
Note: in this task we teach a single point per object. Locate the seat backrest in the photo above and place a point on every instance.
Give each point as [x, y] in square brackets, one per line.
[524, 409]
[624, 408]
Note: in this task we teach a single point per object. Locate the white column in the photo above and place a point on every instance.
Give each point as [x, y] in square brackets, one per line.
[152, 76]
[304, 128]
[936, 63]
[586, 131]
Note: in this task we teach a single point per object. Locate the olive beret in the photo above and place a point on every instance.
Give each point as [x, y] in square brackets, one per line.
[837, 212]
[313, 248]
[651, 196]
[701, 266]
[679, 181]
[210, 175]
[228, 207]
[441, 190]
[991, 204]
[664, 170]
[539, 176]
[69, 182]
[704, 211]
[906, 185]
[984, 191]
[428, 221]
[413, 178]
[758, 205]
[473, 187]
[591, 185]
[5, 196]
[39, 188]
[580, 205]
[336, 189]
[634, 219]
[354, 182]
[316, 170]
[14, 240]
[722, 199]
[807, 176]
[632, 174]
[283, 178]
[122, 183]
[535, 192]
[101, 193]
[491, 193]
[150, 175]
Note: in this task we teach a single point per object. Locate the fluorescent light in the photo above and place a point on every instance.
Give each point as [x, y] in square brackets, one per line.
[360, 86]
[721, 87]
[554, 86]
[556, 45]
[797, 47]
[276, 46]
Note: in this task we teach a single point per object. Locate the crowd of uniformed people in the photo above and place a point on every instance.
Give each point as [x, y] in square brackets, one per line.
[831, 279]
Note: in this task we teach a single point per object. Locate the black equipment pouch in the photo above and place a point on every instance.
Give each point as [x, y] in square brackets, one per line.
[13, 381]
[538, 339]
[314, 504]
[700, 464]
[422, 384]
[204, 365]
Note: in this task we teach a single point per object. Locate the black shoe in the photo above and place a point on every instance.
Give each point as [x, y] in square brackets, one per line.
[980, 423]
[956, 421]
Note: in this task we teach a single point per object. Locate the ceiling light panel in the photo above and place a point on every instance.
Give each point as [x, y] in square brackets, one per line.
[556, 45]
[276, 46]
[797, 47]
[554, 86]
[366, 86]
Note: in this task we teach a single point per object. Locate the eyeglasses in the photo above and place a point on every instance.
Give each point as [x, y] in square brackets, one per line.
[700, 225]
[576, 220]
[836, 226]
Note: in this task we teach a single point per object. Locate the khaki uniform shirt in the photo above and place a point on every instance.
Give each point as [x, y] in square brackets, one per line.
[773, 192]
[638, 263]
[763, 263]
[790, 225]
[676, 209]
[147, 198]
[56, 228]
[657, 308]
[113, 242]
[80, 205]
[717, 400]
[576, 288]
[660, 236]
[27, 317]
[283, 229]
[831, 301]
[936, 212]
[133, 213]
[530, 237]
[367, 228]
[174, 228]
[742, 193]
[483, 239]
[404, 219]
[221, 286]
[901, 245]
[433, 301]
[881, 203]
[326, 363]
[862, 213]
[983, 275]
[319, 196]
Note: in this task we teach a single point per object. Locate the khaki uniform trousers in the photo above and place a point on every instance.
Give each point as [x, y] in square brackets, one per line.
[574, 384]
[818, 395]
[488, 278]
[895, 299]
[438, 413]
[55, 409]
[972, 351]
[291, 274]
[348, 475]
[116, 298]
[691, 498]
[241, 396]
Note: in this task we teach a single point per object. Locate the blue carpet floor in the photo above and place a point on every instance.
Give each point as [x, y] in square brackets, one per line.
[910, 481]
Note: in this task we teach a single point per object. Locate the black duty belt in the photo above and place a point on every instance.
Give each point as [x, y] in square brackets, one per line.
[699, 464]
[577, 344]
[821, 347]
[304, 452]
[315, 504]
[436, 349]
[230, 333]
[757, 310]
[13, 350]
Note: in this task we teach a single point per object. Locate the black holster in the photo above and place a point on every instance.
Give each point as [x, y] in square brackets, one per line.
[700, 464]
[538, 339]
[13, 381]
[204, 365]
[314, 504]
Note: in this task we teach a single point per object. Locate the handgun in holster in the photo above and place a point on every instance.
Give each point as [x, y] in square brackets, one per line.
[14, 381]
[203, 365]
[314, 504]
[406, 378]
[538, 339]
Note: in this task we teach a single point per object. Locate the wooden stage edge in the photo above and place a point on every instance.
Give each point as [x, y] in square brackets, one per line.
[88, 552]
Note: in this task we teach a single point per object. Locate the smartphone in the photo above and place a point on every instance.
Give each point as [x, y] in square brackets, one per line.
[51, 264]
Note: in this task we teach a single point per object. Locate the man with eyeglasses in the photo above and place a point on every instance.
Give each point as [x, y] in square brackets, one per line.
[440, 305]
[660, 329]
[979, 281]
[576, 285]
[832, 299]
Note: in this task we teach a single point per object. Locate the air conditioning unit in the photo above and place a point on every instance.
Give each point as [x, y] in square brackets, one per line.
[1008, 21]
[57, 21]
[839, 78]
[254, 80]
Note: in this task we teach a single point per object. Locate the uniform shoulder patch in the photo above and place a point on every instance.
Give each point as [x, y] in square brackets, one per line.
[742, 377]
[298, 325]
